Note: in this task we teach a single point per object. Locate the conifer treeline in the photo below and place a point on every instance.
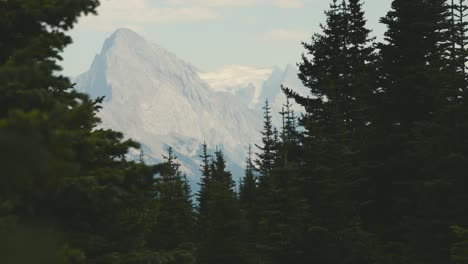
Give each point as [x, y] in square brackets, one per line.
[374, 170]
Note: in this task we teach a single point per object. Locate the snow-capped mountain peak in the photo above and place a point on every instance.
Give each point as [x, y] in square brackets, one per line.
[159, 99]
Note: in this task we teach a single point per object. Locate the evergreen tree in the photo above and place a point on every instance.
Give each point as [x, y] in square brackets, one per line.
[203, 194]
[415, 84]
[221, 230]
[459, 40]
[247, 190]
[174, 223]
[377, 175]
[265, 157]
[361, 73]
[206, 175]
[248, 204]
[439, 147]
[340, 75]
[288, 128]
[287, 146]
[78, 199]
[415, 44]
[459, 250]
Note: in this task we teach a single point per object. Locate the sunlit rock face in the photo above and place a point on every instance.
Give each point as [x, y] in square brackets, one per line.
[160, 100]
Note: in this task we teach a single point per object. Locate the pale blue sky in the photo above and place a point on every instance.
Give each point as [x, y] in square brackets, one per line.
[211, 34]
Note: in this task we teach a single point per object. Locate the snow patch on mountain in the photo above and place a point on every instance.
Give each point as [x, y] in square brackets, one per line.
[242, 81]
[255, 85]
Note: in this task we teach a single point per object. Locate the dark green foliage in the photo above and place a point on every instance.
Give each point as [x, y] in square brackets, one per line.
[248, 187]
[265, 157]
[220, 220]
[287, 146]
[373, 172]
[340, 74]
[68, 192]
[458, 40]
[174, 222]
[248, 195]
[419, 99]
[459, 250]
[203, 194]
[384, 142]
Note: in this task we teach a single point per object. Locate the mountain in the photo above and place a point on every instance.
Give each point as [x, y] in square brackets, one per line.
[254, 85]
[271, 90]
[246, 83]
[160, 100]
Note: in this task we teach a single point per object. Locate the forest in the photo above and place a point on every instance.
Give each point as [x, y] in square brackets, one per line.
[374, 171]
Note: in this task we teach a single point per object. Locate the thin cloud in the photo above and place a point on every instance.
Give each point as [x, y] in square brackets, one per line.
[283, 35]
[237, 3]
[289, 3]
[140, 13]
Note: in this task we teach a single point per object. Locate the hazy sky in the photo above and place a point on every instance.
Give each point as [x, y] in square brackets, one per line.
[211, 33]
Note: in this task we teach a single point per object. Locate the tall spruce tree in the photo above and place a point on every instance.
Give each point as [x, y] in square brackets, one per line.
[68, 192]
[248, 193]
[439, 146]
[265, 157]
[222, 230]
[459, 40]
[174, 223]
[340, 74]
[248, 188]
[206, 173]
[414, 80]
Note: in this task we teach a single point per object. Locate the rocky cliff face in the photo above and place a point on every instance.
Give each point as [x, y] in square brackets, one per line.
[160, 100]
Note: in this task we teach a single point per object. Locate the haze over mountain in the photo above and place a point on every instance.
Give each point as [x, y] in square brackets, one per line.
[160, 100]
[253, 85]
[242, 81]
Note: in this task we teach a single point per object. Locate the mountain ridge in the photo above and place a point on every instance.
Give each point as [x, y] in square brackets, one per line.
[160, 100]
